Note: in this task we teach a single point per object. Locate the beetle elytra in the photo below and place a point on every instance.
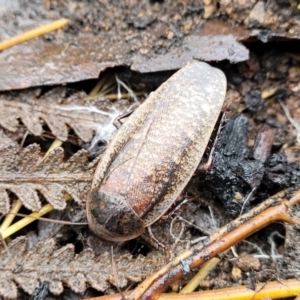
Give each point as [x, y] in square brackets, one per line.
[154, 154]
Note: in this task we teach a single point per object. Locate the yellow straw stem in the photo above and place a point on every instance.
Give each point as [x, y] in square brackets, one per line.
[25, 221]
[33, 33]
[10, 217]
[6, 232]
[54, 145]
[270, 290]
[203, 272]
[265, 94]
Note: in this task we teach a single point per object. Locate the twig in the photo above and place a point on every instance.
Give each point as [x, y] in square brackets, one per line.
[270, 290]
[218, 242]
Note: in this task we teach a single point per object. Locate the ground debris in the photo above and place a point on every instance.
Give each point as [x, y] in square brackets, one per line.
[24, 173]
[45, 263]
[146, 36]
[59, 112]
[151, 38]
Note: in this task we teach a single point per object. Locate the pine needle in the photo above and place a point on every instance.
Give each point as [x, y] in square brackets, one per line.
[33, 33]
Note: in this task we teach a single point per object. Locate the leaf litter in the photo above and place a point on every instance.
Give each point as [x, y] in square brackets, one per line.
[12, 271]
[35, 111]
[44, 262]
[25, 174]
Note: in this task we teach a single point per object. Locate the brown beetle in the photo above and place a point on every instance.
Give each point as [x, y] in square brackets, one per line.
[154, 154]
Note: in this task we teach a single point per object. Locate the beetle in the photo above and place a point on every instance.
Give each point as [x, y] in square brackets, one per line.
[152, 157]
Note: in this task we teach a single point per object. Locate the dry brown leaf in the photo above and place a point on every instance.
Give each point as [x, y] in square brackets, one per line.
[83, 120]
[25, 174]
[62, 266]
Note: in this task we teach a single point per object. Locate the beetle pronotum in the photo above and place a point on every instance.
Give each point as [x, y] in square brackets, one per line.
[154, 154]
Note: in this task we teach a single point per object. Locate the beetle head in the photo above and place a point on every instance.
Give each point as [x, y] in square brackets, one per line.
[111, 218]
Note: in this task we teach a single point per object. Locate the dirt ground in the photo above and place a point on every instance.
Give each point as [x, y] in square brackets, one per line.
[135, 46]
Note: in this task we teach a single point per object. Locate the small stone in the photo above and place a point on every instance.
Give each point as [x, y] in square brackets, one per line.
[236, 274]
[144, 51]
[257, 14]
[294, 73]
[246, 263]
[170, 35]
[253, 100]
[209, 10]
[238, 196]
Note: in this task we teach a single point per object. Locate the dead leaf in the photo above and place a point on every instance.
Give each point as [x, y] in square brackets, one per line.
[62, 266]
[206, 48]
[83, 120]
[25, 174]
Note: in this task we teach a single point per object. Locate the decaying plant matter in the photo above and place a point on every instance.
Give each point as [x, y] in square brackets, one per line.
[45, 263]
[268, 212]
[24, 173]
[83, 120]
[277, 208]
